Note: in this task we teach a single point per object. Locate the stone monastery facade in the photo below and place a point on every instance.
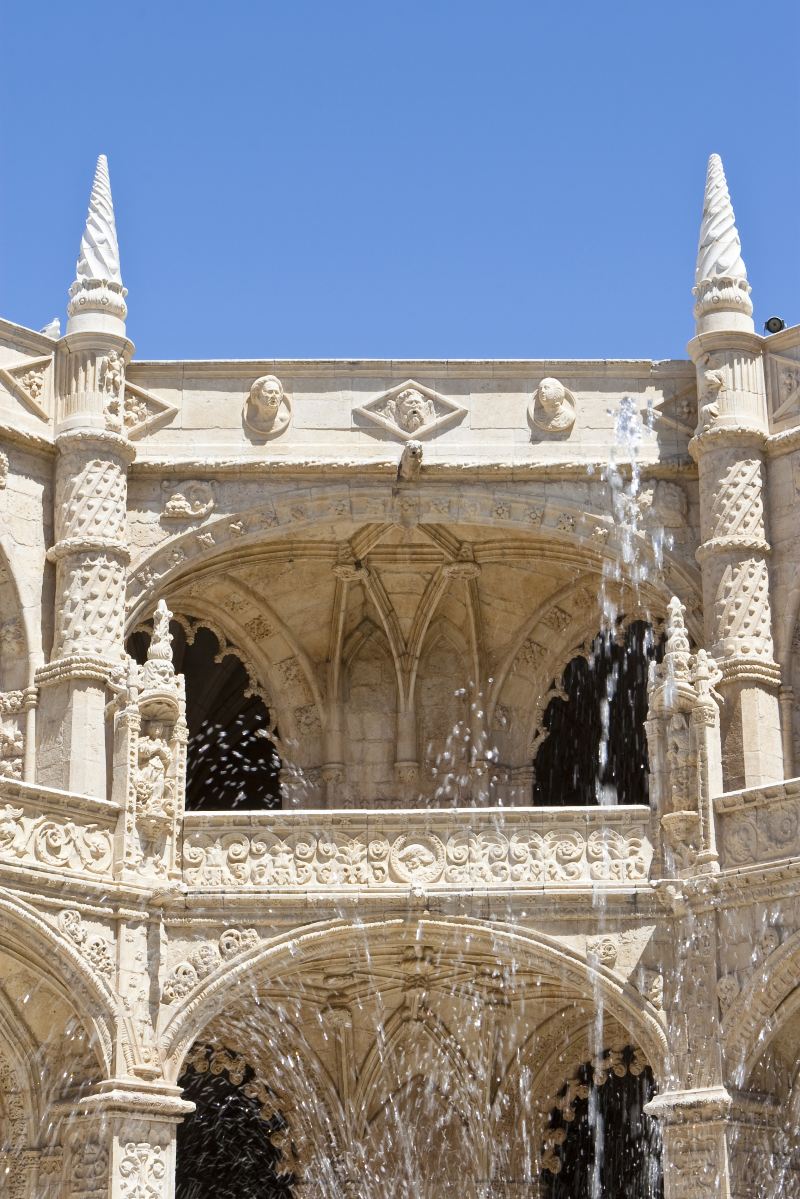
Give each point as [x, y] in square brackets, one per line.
[410, 971]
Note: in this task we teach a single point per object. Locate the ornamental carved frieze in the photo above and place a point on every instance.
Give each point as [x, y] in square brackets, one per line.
[143, 412]
[59, 844]
[410, 411]
[348, 857]
[88, 1175]
[763, 830]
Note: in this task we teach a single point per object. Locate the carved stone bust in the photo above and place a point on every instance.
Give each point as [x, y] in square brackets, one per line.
[411, 410]
[267, 410]
[552, 407]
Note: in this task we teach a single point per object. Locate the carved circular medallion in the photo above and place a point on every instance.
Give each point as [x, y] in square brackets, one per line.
[268, 409]
[552, 407]
[418, 858]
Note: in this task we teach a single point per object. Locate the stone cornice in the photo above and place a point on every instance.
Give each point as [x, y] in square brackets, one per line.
[679, 467]
[34, 442]
[783, 443]
[27, 339]
[453, 367]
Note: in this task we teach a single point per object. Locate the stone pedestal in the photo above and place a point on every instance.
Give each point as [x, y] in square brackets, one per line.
[120, 1143]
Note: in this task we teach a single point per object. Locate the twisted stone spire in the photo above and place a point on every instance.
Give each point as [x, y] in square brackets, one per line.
[97, 297]
[720, 250]
[99, 255]
[721, 285]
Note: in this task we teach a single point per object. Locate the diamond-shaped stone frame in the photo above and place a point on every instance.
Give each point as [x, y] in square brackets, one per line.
[452, 411]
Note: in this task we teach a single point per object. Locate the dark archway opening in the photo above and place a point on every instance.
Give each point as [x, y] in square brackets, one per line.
[226, 1148]
[231, 760]
[596, 749]
[611, 1147]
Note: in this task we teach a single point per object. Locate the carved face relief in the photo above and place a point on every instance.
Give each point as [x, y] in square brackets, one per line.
[410, 410]
[552, 408]
[267, 410]
[413, 410]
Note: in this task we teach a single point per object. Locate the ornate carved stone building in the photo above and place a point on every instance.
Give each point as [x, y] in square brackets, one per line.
[325, 803]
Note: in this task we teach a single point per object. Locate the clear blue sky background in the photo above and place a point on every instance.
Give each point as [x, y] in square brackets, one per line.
[436, 178]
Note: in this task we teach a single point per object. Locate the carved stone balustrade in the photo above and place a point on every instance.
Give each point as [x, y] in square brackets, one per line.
[455, 849]
[761, 824]
[56, 831]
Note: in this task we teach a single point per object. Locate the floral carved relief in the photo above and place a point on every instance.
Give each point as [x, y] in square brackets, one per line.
[94, 948]
[205, 959]
[60, 844]
[143, 1171]
[347, 857]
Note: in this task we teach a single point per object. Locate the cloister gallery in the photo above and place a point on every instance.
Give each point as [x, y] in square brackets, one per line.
[396, 764]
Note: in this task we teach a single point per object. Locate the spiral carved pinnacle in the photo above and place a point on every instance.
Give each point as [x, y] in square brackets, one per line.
[99, 253]
[720, 250]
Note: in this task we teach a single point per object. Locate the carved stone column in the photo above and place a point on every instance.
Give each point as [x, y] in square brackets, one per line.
[90, 551]
[120, 1143]
[694, 1106]
[728, 448]
[91, 556]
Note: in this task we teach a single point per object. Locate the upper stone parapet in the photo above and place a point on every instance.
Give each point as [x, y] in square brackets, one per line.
[721, 289]
[97, 297]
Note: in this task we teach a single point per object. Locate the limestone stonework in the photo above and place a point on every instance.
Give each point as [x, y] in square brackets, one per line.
[413, 973]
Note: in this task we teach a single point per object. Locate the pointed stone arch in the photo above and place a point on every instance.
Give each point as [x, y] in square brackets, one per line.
[293, 948]
[26, 936]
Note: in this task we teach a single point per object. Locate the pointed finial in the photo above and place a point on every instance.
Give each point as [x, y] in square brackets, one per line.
[677, 650]
[97, 297]
[721, 289]
[160, 649]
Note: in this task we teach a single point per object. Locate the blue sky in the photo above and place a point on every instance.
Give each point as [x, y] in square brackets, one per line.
[371, 179]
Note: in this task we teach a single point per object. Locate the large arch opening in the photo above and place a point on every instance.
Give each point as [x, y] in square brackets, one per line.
[234, 1145]
[601, 1142]
[231, 759]
[595, 748]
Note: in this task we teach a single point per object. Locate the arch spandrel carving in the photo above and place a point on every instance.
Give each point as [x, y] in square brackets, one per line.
[348, 506]
[183, 1022]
